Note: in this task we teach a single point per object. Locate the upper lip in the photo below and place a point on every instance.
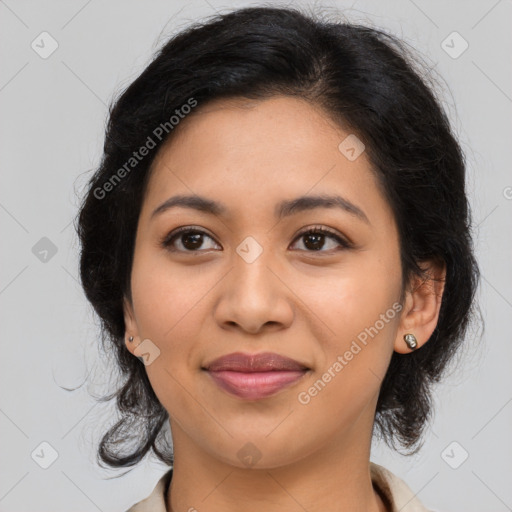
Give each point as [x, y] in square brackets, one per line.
[264, 362]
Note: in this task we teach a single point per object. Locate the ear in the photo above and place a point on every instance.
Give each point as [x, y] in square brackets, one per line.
[421, 305]
[131, 329]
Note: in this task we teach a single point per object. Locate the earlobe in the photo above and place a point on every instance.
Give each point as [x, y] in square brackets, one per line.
[421, 312]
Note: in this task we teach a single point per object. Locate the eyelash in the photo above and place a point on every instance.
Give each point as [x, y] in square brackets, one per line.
[168, 239]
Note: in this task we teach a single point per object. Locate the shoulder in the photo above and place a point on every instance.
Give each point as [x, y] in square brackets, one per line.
[399, 495]
[155, 502]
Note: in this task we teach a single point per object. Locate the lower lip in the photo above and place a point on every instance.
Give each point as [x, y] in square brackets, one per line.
[255, 385]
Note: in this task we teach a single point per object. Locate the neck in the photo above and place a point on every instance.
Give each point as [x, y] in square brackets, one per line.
[336, 477]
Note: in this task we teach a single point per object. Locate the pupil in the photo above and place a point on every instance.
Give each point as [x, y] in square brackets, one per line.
[196, 240]
[317, 238]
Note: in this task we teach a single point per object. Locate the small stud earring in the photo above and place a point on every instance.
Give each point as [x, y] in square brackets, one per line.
[411, 341]
[130, 338]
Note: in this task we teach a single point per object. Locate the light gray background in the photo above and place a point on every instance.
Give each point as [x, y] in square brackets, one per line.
[52, 120]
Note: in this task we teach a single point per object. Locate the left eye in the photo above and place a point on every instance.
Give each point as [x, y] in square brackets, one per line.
[316, 237]
[191, 240]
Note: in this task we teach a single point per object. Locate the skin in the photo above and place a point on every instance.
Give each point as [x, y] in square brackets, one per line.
[304, 304]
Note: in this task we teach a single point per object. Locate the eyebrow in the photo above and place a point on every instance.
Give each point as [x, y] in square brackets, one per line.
[283, 209]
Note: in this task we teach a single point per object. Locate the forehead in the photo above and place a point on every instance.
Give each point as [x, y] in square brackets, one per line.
[279, 123]
[255, 152]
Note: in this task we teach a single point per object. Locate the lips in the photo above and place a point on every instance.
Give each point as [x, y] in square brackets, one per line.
[264, 362]
[254, 376]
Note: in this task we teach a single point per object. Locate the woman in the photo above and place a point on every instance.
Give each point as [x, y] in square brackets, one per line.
[278, 245]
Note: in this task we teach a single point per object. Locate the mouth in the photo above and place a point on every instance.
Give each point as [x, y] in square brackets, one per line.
[256, 376]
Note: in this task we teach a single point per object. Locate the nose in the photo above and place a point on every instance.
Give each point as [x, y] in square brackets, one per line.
[254, 296]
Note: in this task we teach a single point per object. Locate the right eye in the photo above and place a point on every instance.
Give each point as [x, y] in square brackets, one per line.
[186, 238]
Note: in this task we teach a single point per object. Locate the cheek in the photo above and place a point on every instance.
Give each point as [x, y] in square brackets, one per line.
[167, 302]
[357, 310]
[361, 313]
[353, 297]
[165, 296]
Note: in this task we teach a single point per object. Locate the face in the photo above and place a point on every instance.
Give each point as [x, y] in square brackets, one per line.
[248, 278]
